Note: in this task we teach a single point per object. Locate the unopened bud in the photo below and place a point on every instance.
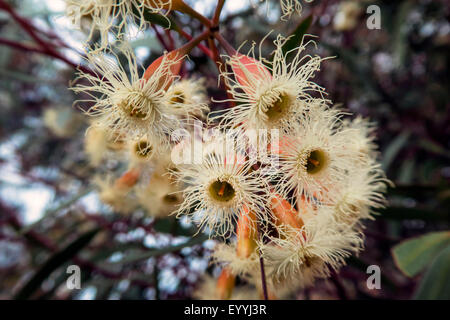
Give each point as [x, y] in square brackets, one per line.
[128, 179]
[285, 213]
[172, 61]
[225, 284]
[246, 233]
[247, 69]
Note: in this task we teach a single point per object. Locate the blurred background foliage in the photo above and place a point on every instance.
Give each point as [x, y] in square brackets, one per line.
[50, 216]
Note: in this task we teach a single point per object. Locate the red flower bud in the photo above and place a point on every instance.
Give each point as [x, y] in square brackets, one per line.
[285, 213]
[128, 179]
[246, 233]
[172, 61]
[247, 69]
[225, 284]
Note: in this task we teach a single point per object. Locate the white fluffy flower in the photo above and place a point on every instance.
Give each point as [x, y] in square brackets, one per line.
[354, 198]
[238, 265]
[130, 106]
[111, 15]
[115, 195]
[160, 197]
[188, 97]
[272, 95]
[141, 151]
[218, 188]
[362, 140]
[299, 256]
[312, 157]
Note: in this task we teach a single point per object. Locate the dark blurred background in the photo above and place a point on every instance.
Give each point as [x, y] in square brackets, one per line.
[50, 215]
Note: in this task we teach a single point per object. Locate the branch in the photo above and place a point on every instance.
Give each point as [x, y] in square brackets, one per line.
[263, 277]
[45, 47]
[216, 18]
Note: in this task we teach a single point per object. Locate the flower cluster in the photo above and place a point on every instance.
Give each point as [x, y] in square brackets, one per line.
[298, 210]
[107, 16]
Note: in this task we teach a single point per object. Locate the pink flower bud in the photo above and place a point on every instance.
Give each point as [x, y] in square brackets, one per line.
[247, 70]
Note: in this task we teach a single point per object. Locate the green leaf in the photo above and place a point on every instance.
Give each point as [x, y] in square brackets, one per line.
[400, 33]
[433, 147]
[160, 20]
[435, 284]
[296, 37]
[407, 172]
[394, 148]
[54, 262]
[59, 280]
[413, 255]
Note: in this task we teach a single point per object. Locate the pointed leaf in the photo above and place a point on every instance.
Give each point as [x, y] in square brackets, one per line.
[436, 281]
[160, 20]
[394, 148]
[413, 255]
[296, 37]
[54, 262]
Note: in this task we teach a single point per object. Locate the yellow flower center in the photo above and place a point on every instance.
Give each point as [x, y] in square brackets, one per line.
[316, 161]
[278, 109]
[143, 149]
[221, 191]
[136, 104]
[132, 111]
